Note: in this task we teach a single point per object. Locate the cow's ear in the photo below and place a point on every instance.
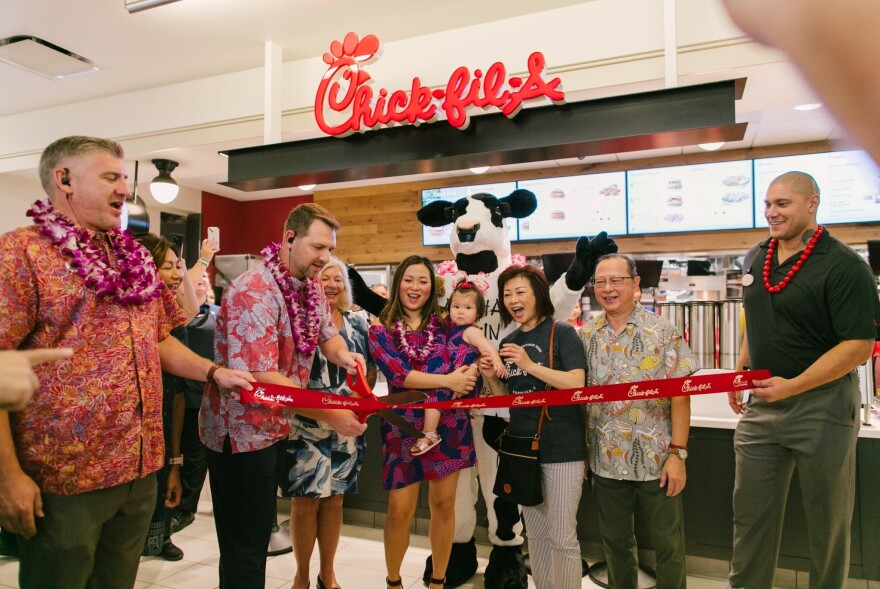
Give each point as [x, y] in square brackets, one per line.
[436, 214]
[519, 204]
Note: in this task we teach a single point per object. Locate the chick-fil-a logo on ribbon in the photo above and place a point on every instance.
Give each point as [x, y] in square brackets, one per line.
[261, 394]
[346, 89]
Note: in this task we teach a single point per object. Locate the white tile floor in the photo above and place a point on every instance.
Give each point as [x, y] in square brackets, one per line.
[359, 563]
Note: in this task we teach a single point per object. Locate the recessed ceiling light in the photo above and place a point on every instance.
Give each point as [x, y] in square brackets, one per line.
[43, 58]
[479, 170]
[133, 6]
[306, 187]
[711, 146]
[808, 106]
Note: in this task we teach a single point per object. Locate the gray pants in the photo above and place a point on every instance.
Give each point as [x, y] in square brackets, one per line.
[616, 504]
[89, 541]
[815, 432]
[551, 527]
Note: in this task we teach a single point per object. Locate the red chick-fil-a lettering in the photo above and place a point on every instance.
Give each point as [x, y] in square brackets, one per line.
[346, 96]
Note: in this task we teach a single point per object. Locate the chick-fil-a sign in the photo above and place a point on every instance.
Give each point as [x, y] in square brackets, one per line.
[346, 89]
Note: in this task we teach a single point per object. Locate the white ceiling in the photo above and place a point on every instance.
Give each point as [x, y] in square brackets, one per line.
[193, 39]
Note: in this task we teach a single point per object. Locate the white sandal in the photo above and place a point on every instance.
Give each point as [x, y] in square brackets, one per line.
[423, 445]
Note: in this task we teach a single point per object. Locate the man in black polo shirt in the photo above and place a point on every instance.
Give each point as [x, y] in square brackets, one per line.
[810, 304]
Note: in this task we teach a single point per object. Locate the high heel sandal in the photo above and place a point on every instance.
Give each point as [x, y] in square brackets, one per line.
[397, 583]
[441, 582]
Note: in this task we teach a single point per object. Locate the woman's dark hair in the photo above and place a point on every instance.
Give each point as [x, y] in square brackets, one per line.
[394, 310]
[467, 291]
[158, 247]
[540, 286]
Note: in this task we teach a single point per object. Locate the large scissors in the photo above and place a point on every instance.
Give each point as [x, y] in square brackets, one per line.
[361, 388]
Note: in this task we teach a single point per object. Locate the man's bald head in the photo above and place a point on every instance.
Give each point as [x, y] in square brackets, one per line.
[790, 207]
[799, 183]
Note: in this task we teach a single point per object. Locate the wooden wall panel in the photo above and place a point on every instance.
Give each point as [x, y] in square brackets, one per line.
[379, 224]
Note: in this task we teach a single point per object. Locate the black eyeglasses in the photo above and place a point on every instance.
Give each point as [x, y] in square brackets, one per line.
[614, 281]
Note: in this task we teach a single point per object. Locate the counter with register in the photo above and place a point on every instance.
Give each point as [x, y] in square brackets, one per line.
[708, 495]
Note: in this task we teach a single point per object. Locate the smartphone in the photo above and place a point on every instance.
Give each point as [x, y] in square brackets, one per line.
[214, 237]
[176, 240]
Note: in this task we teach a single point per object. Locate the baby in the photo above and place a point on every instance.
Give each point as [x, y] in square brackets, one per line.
[465, 345]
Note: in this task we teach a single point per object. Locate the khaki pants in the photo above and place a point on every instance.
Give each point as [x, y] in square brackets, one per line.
[816, 433]
[89, 541]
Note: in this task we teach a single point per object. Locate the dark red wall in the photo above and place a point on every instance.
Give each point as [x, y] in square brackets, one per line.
[246, 227]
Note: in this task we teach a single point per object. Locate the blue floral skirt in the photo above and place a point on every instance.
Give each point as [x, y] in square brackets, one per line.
[318, 462]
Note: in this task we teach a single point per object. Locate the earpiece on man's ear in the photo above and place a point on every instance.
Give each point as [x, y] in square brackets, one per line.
[65, 179]
[290, 239]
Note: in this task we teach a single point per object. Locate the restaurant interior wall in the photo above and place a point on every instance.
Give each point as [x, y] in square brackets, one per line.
[379, 222]
[246, 227]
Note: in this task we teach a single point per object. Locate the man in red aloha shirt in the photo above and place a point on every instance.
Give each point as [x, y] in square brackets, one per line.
[271, 321]
[77, 464]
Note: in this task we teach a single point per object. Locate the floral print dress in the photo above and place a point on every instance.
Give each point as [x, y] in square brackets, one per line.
[456, 450]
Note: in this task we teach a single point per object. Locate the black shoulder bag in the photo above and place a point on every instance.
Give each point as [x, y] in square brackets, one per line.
[519, 471]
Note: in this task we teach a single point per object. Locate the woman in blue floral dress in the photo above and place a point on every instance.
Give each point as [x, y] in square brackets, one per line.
[410, 348]
[321, 465]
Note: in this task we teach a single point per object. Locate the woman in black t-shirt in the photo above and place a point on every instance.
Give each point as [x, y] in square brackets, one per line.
[552, 525]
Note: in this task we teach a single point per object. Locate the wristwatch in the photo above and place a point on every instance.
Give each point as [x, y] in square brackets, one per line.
[177, 460]
[679, 451]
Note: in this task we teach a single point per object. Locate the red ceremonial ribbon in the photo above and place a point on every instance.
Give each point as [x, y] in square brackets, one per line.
[285, 396]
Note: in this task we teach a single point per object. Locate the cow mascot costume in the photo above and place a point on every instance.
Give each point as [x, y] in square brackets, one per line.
[481, 246]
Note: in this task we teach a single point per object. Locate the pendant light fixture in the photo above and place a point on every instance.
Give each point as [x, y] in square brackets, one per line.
[135, 217]
[163, 187]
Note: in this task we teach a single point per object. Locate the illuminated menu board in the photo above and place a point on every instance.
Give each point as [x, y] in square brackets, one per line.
[576, 205]
[700, 197]
[440, 235]
[849, 184]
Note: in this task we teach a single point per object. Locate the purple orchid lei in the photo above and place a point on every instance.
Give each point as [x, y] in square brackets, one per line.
[134, 279]
[304, 316]
[419, 355]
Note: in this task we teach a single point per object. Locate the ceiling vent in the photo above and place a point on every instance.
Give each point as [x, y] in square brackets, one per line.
[43, 58]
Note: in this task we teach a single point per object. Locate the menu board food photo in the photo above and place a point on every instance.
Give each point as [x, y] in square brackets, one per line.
[698, 197]
[572, 206]
[849, 184]
[440, 235]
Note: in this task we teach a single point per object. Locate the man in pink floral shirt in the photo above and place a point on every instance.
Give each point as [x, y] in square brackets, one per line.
[77, 464]
[271, 321]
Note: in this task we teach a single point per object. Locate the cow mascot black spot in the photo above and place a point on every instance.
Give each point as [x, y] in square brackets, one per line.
[481, 246]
